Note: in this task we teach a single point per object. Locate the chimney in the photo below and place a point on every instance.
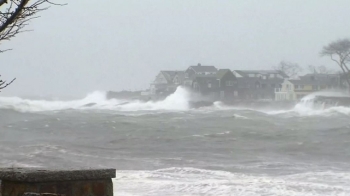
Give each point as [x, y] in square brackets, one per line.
[199, 64]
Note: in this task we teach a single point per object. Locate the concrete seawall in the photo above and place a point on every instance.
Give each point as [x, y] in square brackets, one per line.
[72, 182]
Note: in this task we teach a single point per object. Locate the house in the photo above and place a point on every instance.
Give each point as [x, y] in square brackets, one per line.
[166, 82]
[179, 78]
[200, 70]
[227, 84]
[262, 74]
[196, 70]
[296, 89]
[258, 84]
[345, 81]
[217, 86]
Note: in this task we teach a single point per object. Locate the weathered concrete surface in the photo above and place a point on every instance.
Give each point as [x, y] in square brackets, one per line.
[70, 188]
[53, 175]
[86, 182]
[42, 194]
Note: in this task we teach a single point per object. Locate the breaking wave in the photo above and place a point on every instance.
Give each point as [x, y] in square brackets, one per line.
[307, 105]
[193, 181]
[177, 101]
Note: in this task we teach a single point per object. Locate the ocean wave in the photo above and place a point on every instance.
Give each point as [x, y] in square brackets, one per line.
[307, 106]
[177, 101]
[194, 181]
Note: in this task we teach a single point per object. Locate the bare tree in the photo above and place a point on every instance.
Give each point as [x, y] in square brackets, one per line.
[15, 16]
[4, 84]
[320, 69]
[291, 69]
[339, 52]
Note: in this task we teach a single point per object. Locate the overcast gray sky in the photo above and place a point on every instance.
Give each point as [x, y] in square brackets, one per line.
[122, 44]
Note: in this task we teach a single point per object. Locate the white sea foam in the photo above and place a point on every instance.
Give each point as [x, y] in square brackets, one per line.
[179, 100]
[308, 107]
[192, 181]
[27, 105]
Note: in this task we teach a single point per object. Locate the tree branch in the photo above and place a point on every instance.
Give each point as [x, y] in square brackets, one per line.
[17, 15]
[334, 60]
[4, 85]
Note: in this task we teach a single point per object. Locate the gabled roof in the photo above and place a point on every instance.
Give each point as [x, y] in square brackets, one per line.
[246, 80]
[245, 73]
[203, 68]
[221, 73]
[317, 79]
[169, 75]
[180, 75]
[321, 75]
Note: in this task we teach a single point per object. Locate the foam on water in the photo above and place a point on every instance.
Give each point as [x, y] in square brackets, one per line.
[193, 181]
[307, 106]
[27, 105]
[179, 100]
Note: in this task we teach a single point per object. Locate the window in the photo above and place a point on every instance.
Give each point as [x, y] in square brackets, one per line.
[209, 85]
[272, 75]
[314, 87]
[296, 86]
[229, 83]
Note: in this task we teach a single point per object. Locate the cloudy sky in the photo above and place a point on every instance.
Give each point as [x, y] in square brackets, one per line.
[122, 44]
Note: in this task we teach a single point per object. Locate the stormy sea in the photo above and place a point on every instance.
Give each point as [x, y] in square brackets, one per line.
[167, 148]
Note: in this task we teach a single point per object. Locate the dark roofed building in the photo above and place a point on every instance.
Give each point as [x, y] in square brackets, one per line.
[319, 79]
[258, 84]
[296, 89]
[169, 75]
[260, 73]
[218, 86]
[164, 85]
[179, 78]
[195, 70]
[199, 69]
